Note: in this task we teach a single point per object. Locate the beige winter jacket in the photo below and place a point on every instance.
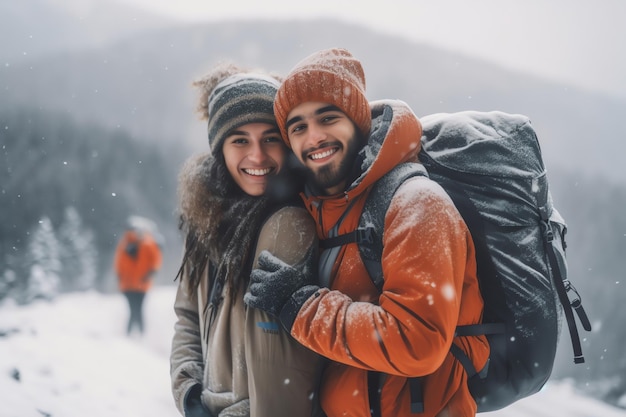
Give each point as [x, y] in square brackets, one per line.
[246, 355]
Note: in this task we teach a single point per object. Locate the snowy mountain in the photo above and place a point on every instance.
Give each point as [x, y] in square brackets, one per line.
[134, 73]
[93, 83]
[71, 358]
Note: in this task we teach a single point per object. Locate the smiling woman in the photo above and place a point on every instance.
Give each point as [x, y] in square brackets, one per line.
[227, 359]
[253, 153]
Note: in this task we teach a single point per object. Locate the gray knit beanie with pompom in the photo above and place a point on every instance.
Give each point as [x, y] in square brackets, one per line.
[237, 100]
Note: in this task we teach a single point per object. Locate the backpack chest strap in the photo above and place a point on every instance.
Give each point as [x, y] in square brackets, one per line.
[361, 235]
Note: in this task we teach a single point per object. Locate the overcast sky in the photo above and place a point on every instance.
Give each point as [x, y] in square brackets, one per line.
[575, 41]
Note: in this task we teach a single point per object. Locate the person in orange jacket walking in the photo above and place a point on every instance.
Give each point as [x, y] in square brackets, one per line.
[377, 340]
[137, 259]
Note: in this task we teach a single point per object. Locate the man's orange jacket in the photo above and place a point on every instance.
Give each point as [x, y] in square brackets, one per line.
[430, 287]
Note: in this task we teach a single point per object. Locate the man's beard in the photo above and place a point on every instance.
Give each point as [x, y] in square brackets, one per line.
[331, 175]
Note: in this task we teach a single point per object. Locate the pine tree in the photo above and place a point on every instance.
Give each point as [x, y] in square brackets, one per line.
[7, 283]
[79, 257]
[13, 278]
[44, 263]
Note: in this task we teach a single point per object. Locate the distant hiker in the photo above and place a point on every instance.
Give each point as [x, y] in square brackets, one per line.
[376, 339]
[226, 359]
[137, 259]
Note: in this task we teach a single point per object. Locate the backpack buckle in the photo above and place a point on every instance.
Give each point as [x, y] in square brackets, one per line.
[365, 235]
[547, 231]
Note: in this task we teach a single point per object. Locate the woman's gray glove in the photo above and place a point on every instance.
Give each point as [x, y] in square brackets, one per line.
[274, 281]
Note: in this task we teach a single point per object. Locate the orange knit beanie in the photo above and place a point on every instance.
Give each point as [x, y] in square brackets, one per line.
[330, 76]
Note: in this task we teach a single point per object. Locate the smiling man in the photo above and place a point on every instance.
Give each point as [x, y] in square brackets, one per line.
[376, 339]
[331, 144]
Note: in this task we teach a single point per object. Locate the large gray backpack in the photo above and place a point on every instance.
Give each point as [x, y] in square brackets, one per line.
[491, 166]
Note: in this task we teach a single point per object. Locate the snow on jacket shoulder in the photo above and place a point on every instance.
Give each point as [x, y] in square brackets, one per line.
[430, 287]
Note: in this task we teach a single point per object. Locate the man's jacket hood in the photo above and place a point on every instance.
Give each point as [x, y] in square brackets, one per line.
[394, 138]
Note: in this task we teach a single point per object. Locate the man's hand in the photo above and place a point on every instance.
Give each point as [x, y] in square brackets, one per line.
[274, 282]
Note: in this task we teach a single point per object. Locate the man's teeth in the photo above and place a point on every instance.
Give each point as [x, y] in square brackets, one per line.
[323, 154]
[257, 172]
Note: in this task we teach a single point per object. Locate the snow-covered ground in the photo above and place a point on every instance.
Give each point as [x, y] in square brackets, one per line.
[72, 358]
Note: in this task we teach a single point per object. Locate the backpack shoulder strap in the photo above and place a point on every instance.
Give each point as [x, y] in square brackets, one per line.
[372, 221]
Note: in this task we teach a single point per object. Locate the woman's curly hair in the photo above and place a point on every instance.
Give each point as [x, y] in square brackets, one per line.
[219, 220]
